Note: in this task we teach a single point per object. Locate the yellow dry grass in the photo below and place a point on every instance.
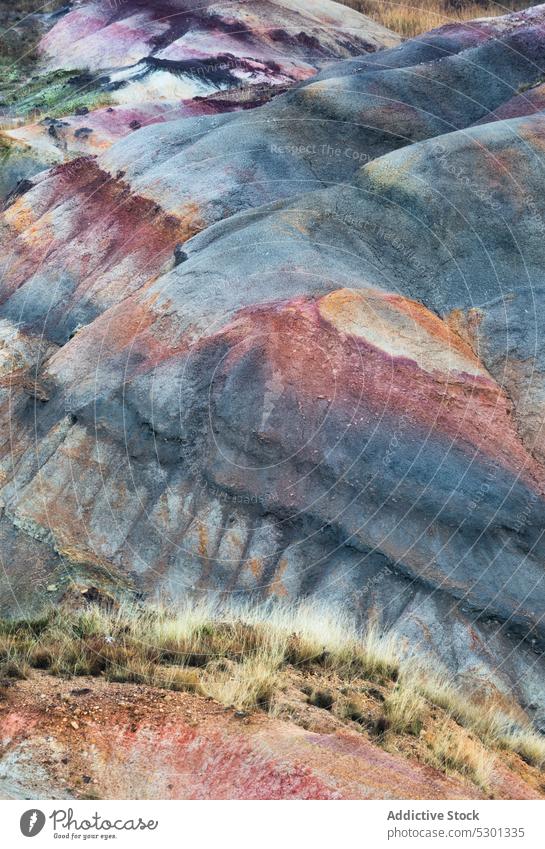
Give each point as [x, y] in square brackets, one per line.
[411, 18]
[405, 709]
[456, 751]
[247, 657]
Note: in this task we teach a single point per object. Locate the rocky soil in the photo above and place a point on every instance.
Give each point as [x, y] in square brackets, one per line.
[91, 739]
[271, 324]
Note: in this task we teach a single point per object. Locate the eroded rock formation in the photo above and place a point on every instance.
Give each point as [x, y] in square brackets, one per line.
[290, 351]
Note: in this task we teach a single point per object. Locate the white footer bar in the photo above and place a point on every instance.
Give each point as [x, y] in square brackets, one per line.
[263, 824]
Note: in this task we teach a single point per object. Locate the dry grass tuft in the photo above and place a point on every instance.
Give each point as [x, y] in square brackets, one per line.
[527, 744]
[411, 18]
[455, 751]
[13, 658]
[405, 709]
[494, 727]
[252, 683]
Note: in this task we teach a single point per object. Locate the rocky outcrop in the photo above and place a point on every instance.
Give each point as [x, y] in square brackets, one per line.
[107, 69]
[295, 351]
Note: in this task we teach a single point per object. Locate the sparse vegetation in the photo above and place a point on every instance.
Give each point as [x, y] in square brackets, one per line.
[456, 751]
[245, 685]
[411, 18]
[53, 95]
[277, 659]
[525, 743]
[405, 709]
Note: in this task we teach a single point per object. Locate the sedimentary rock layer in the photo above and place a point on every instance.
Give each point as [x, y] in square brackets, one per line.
[297, 350]
[106, 69]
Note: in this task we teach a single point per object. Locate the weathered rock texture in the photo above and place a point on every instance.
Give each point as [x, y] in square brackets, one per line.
[289, 351]
[108, 69]
[125, 742]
